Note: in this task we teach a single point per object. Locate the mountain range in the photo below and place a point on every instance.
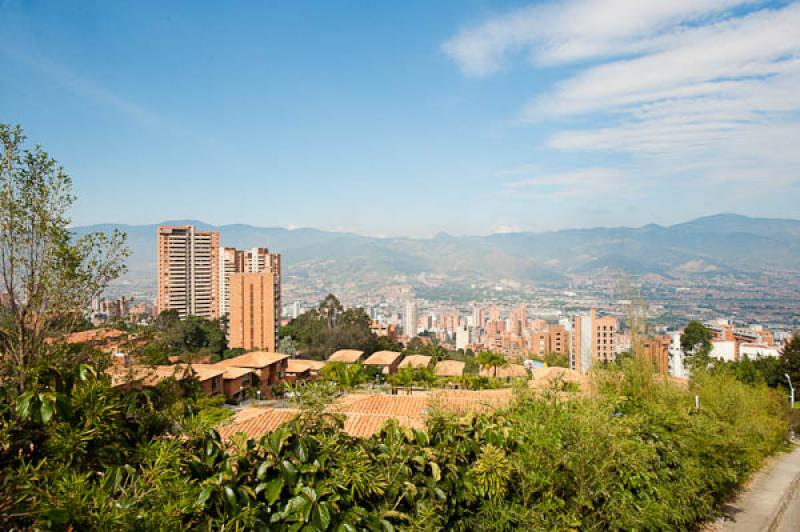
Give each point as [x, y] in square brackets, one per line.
[719, 244]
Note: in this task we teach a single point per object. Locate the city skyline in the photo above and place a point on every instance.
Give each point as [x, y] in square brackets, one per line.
[538, 116]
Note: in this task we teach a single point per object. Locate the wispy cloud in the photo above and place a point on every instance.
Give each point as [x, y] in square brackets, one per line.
[575, 30]
[81, 85]
[577, 184]
[708, 88]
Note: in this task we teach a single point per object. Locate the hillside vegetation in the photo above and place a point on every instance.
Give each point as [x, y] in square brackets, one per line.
[633, 455]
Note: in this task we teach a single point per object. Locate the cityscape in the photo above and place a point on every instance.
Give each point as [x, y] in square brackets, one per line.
[467, 265]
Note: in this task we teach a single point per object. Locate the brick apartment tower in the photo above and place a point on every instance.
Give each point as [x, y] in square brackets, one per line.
[593, 339]
[253, 301]
[188, 271]
[254, 311]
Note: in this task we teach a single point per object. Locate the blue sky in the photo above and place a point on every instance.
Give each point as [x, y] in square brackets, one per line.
[409, 118]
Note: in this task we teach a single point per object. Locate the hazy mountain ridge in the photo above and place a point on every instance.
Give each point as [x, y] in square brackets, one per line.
[722, 243]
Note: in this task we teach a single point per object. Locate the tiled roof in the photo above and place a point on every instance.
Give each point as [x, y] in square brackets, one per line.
[297, 365]
[365, 414]
[258, 425]
[348, 356]
[382, 358]
[449, 368]
[203, 372]
[386, 405]
[229, 372]
[152, 375]
[462, 401]
[365, 425]
[512, 370]
[94, 335]
[415, 361]
[553, 373]
[256, 359]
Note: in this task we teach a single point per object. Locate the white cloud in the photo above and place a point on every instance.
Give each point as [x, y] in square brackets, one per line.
[582, 183]
[575, 30]
[506, 228]
[81, 85]
[706, 91]
[699, 61]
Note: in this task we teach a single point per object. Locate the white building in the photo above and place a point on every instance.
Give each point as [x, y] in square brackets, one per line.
[462, 336]
[724, 350]
[677, 359]
[758, 351]
[410, 319]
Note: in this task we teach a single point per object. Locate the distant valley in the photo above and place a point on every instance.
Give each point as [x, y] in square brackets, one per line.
[720, 245]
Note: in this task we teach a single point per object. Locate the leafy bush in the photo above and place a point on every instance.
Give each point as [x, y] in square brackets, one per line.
[635, 455]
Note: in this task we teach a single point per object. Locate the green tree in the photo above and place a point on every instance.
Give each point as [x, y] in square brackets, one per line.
[347, 376]
[490, 359]
[790, 357]
[287, 347]
[48, 276]
[696, 343]
[328, 328]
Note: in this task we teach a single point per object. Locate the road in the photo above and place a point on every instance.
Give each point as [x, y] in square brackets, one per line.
[790, 521]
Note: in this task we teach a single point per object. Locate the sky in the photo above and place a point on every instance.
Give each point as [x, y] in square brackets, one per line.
[407, 118]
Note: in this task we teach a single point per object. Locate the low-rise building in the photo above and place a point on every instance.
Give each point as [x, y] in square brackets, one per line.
[236, 381]
[415, 361]
[386, 360]
[270, 369]
[449, 368]
[347, 356]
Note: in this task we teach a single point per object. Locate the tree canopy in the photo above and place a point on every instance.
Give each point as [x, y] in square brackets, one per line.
[696, 342]
[790, 357]
[47, 276]
[329, 327]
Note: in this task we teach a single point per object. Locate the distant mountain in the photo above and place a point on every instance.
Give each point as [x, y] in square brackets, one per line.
[724, 243]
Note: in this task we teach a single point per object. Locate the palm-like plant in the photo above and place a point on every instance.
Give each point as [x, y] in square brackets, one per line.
[490, 359]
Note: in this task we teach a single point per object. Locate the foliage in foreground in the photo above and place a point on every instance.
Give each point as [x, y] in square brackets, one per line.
[634, 456]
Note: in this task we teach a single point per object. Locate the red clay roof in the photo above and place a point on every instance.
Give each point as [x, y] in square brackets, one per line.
[348, 356]
[256, 359]
[94, 335]
[449, 368]
[229, 372]
[512, 370]
[365, 414]
[415, 361]
[297, 365]
[382, 358]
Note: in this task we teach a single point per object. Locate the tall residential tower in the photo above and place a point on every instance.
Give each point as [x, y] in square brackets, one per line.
[188, 271]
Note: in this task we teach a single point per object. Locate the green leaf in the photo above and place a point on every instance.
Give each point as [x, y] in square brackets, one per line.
[230, 498]
[436, 473]
[322, 516]
[46, 412]
[300, 452]
[272, 490]
[204, 496]
[24, 403]
[263, 469]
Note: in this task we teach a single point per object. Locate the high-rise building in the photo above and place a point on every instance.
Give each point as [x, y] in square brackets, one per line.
[188, 271]
[254, 311]
[462, 336]
[253, 260]
[592, 340]
[410, 319]
[231, 260]
[477, 317]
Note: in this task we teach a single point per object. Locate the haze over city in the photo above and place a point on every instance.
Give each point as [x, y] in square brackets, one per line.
[469, 117]
[463, 265]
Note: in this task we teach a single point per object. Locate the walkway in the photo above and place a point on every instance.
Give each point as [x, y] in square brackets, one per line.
[771, 502]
